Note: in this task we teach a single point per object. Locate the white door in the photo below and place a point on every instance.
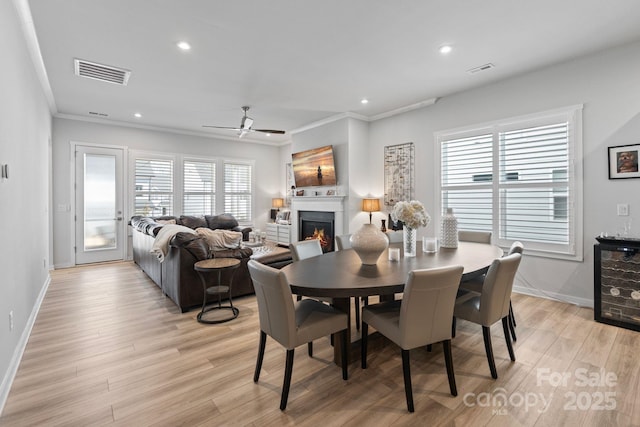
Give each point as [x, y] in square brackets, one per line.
[100, 228]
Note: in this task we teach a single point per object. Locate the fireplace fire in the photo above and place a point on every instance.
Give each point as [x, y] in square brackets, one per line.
[317, 225]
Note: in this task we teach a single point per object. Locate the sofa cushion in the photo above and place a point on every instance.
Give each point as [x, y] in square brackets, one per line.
[192, 243]
[192, 221]
[223, 221]
[220, 239]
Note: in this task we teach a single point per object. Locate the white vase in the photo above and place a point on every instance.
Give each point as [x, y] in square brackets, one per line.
[449, 230]
[369, 243]
[409, 241]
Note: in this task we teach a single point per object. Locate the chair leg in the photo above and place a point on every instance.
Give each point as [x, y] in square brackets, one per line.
[448, 360]
[486, 332]
[429, 348]
[513, 317]
[507, 338]
[453, 327]
[343, 354]
[512, 327]
[287, 379]
[363, 345]
[406, 370]
[310, 348]
[263, 341]
[357, 304]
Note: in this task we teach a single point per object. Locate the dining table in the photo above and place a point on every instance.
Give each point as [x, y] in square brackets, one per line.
[340, 275]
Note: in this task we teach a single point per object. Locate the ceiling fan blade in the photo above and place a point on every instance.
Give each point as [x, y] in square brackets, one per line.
[277, 132]
[221, 127]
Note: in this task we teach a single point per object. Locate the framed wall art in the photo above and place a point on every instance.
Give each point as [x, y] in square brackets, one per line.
[623, 161]
[399, 173]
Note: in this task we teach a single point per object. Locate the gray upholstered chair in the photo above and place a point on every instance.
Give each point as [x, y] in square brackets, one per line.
[394, 236]
[305, 249]
[343, 242]
[475, 285]
[291, 323]
[474, 236]
[491, 305]
[423, 317]
[309, 248]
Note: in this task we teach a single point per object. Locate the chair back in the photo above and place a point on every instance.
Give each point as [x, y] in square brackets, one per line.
[427, 305]
[275, 303]
[305, 249]
[496, 289]
[474, 236]
[343, 242]
[516, 248]
[395, 236]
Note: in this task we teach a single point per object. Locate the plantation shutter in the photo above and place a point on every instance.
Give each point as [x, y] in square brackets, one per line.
[199, 193]
[237, 190]
[153, 187]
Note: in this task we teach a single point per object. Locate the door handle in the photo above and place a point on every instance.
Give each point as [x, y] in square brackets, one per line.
[118, 218]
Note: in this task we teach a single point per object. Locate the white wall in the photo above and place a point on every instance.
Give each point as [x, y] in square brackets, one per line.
[25, 130]
[607, 84]
[268, 170]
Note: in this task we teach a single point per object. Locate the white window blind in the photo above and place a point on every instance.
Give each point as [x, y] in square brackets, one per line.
[516, 179]
[153, 187]
[199, 194]
[237, 190]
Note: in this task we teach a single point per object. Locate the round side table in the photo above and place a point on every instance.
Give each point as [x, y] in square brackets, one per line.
[217, 265]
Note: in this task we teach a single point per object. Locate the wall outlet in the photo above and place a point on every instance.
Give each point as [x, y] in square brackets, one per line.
[11, 320]
[623, 209]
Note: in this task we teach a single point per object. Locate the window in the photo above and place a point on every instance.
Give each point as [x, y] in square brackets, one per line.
[237, 190]
[519, 179]
[153, 187]
[199, 195]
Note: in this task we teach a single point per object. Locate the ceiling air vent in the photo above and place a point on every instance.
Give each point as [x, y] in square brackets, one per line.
[105, 73]
[484, 67]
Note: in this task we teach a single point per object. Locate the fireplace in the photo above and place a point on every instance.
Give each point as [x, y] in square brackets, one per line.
[317, 225]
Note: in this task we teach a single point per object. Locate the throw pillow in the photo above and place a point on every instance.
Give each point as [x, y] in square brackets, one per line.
[220, 239]
[192, 222]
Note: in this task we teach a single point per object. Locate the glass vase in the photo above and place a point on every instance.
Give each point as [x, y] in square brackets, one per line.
[409, 238]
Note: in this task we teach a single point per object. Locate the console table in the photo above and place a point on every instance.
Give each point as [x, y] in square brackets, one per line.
[279, 233]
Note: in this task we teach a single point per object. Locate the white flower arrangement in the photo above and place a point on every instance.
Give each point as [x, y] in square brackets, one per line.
[412, 214]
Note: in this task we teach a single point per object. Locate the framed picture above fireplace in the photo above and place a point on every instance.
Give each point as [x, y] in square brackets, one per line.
[314, 167]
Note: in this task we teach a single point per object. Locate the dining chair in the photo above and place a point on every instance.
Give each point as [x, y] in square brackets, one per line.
[421, 318]
[395, 236]
[491, 305]
[343, 242]
[474, 236]
[309, 248]
[475, 285]
[291, 323]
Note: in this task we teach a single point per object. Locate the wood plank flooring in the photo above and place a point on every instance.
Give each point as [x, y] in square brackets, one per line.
[108, 349]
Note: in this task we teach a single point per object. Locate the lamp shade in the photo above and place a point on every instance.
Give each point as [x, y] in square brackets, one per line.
[277, 202]
[371, 205]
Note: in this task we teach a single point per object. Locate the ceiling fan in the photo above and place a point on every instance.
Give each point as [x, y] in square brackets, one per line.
[245, 126]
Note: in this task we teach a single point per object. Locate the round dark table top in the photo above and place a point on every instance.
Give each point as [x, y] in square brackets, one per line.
[341, 274]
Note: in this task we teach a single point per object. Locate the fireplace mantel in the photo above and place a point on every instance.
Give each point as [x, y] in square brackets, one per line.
[320, 204]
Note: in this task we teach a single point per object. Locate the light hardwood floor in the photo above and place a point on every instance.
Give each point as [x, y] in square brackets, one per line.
[108, 349]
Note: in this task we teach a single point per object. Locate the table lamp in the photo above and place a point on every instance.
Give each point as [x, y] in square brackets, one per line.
[277, 203]
[369, 242]
[370, 205]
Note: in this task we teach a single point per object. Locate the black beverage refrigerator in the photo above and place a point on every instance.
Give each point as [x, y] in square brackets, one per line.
[617, 282]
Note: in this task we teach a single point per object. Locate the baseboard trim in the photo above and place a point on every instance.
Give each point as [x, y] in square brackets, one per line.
[12, 370]
[582, 302]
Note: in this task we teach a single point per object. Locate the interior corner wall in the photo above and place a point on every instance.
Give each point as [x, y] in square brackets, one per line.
[267, 169]
[25, 130]
[607, 84]
[361, 183]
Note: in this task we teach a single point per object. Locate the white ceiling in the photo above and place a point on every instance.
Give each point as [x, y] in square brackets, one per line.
[299, 62]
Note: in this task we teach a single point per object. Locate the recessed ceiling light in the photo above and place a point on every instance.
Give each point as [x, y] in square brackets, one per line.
[364, 101]
[184, 45]
[138, 115]
[445, 49]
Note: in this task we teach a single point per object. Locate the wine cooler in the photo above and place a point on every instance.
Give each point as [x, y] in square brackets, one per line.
[617, 282]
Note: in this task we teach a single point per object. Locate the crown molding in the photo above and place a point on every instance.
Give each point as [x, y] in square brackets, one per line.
[26, 22]
[404, 109]
[165, 129]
